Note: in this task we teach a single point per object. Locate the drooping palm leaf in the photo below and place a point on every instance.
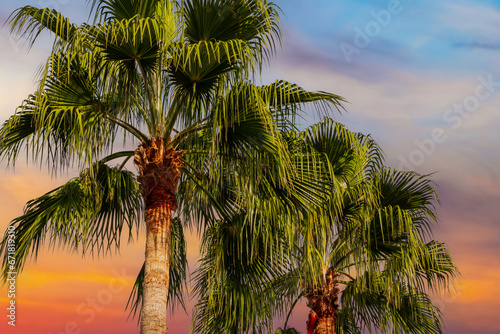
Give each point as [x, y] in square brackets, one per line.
[87, 214]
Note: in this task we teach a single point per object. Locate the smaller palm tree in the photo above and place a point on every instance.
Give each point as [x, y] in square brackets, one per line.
[369, 265]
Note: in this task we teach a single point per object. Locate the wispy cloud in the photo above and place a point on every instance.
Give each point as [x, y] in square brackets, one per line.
[477, 45]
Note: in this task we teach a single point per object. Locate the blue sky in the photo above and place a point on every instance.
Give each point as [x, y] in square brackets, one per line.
[425, 82]
[418, 35]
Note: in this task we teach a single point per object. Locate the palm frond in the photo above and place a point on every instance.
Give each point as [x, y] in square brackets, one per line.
[254, 21]
[108, 10]
[87, 214]
[232, 278]
[29, 21]
[411, 192]
[365, 301]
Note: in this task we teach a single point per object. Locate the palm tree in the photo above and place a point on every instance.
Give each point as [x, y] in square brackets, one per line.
[172, 80]
[360, 258]
[372, 264]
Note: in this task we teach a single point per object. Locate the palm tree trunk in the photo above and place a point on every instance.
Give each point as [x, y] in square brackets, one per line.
[157, 265]
[326, 324]
[159, 176]
[323, 302]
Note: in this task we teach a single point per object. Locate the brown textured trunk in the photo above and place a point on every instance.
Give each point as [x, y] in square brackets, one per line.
[159, 176]
[157, 264]
[326, 324]
[323, 302]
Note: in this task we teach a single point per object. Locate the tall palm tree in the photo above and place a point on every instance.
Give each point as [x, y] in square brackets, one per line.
[171, 79]
[360, 259]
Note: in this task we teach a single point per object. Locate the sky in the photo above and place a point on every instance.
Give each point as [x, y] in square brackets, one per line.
[422, 77]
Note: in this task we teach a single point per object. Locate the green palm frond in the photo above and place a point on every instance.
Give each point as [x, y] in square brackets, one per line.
[411, 192]
[29, 21]
[87, 214]
[124, 9]
[250, 180]
[255, 21]
[287, 99]
[347, 152]
[346, 323]
[434, 268]
[51, 133]
[131, 42]
[238, 262]
[365, 301]
[78, 100]
[14, 134]
[197, 72]
[287, 291]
